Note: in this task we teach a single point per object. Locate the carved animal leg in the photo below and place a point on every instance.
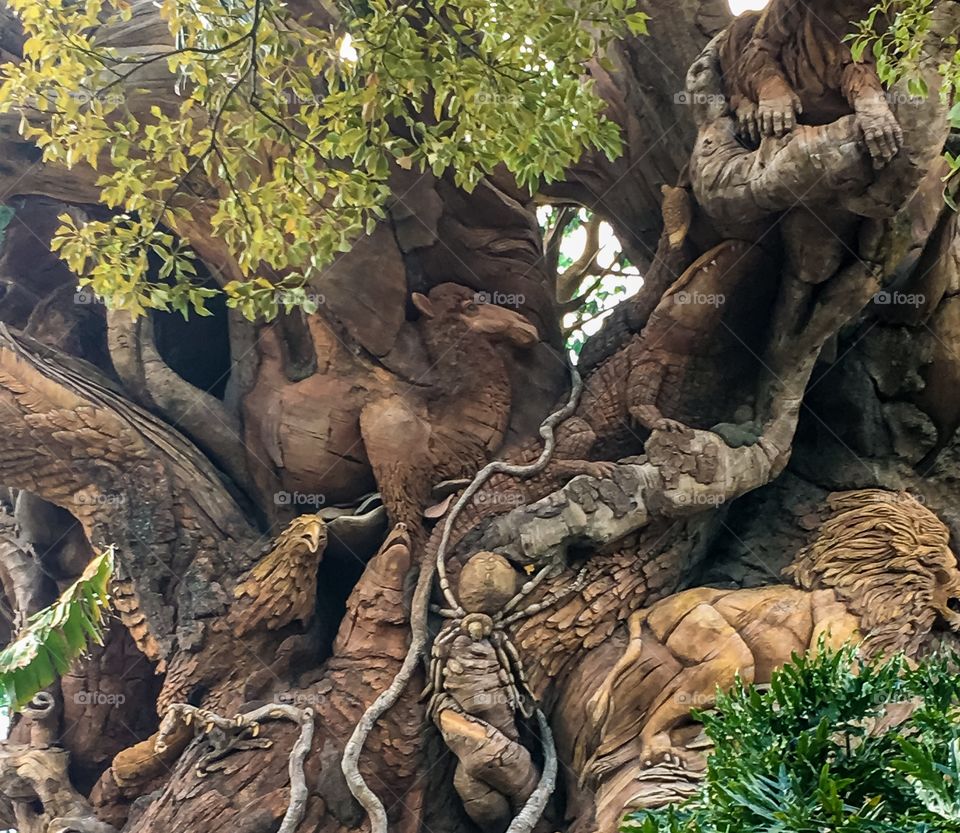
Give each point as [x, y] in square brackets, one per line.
[396, 439]
[600, 705]
[216, 758]
[881, 130]
[713, 653]
[748, 118]
[760, 67]
[778, 108]
[647, 381]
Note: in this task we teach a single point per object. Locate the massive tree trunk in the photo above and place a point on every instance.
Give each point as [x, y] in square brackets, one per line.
[795, 335]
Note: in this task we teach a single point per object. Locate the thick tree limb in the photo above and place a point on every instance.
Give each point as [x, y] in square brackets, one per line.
[200, 415]
[130, 480]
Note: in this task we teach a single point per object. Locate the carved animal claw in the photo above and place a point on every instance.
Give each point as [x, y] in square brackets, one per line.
[661, 751]
[600, 468]
[778, 116]
[881, 131]
[748, 122]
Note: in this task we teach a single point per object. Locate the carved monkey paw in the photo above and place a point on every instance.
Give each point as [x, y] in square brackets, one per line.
[881, 132]
[748, 122]
[778, 116]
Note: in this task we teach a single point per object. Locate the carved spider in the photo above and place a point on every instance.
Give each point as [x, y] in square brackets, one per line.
[489, 598]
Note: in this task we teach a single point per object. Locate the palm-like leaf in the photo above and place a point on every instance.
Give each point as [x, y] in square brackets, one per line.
[55, 636]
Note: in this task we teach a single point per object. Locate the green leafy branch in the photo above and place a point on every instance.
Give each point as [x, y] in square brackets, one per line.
[815, 753]
[55, 636]
[897, 47]
[289, 131]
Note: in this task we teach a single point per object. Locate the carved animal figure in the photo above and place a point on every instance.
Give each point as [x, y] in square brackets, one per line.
[639, 387]
[672, 257]
[282, 587]
[478, 686]
[790, 63]
[880, 571]
[445, 423]
[642, 385]
[277, 591]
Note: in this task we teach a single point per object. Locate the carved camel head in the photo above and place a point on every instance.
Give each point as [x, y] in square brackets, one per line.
[450, 303]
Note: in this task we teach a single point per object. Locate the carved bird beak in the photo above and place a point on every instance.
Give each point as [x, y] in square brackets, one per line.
[314, 531]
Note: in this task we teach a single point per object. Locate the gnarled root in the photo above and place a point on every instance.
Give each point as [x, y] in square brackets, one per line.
[31, 778]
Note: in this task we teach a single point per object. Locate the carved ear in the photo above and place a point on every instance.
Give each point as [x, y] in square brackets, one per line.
[422, 303]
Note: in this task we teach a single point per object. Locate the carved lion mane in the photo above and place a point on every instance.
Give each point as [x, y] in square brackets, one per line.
[888, 558]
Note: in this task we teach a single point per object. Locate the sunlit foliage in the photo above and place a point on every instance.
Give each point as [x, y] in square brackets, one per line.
[289, 128]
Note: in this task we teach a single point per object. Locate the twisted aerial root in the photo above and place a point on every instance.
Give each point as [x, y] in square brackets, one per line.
[419, 612]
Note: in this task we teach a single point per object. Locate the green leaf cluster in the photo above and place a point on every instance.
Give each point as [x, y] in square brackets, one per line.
[289, 131]
[55, 636]
[897, 47]
[809, 755]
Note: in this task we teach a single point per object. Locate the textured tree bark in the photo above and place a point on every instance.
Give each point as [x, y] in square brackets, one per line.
[795, 338]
